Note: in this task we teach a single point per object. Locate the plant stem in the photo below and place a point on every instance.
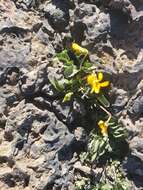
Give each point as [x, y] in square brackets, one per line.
[108, 113]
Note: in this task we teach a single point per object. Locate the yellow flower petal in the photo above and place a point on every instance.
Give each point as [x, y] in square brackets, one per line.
[103, 127]
[91, 78]
[94, 80]
[78, 49]
[96, 88]
[100, 76]
[104, 84]
[101, 122]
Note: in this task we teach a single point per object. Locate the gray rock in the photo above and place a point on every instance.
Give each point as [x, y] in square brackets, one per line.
[50, 38]
[72, 113]
[120, 101]
[136, 146]
[33, 120]
[134, 169]
[57, 17]
[16, 177]
[27, 4]
[43, 137]
[8, 98]
[42, 103]
[135, 107]
[2, 104]
[2, 76]
[32, 82]
[61, 110]
[13, 53]
[96, 24]
[81, 138]
[128, 78]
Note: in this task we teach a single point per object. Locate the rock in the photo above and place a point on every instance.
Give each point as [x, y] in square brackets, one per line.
[40, 136]
[2, 76]
[58, 17]
[124, 6]
[16, 177]
[130, 75]
[19, 24]
[2, 104]
[89, 17]
[43, 103]
[72, 114]
[134, 168]
[13, 53]
[8, 97]
[52, 40]
[78, 114]
[39, 51]
[61, 110]
[12, 75]
[84, 169]
[135, 107]
[136, 145]
[49, 91]
[81, 139]
[27, 4]
[36, 133]
[80, 134]
[120, 101]
[32, 82]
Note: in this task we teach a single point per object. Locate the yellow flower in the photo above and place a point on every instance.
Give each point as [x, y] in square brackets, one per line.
[78, 49]
[94, 80]
[103, 127]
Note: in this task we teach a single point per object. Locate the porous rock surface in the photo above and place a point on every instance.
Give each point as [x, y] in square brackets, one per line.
[39, 136]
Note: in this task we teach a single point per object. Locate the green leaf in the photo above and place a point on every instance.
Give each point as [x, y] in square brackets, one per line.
[87, 64]
[93, 157]
[67, 97]
[81, 183]
[56, 84]
[94, 145]
[103, 100]
[116, 130]
[119, 136]
[64, 57]
[70, 71]
[106, 187]
[83, 156]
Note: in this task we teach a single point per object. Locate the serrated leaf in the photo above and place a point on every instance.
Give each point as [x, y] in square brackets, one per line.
[83, 156]
[93, 157]
[96, 146]
[114, 127]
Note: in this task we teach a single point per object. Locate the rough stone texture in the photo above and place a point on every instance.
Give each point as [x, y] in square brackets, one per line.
[39, 135]
[94, 25]
[40, 144]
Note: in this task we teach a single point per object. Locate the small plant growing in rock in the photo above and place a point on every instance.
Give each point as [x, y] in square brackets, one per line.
[82, 80]
[80, 77]
[112, 179]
